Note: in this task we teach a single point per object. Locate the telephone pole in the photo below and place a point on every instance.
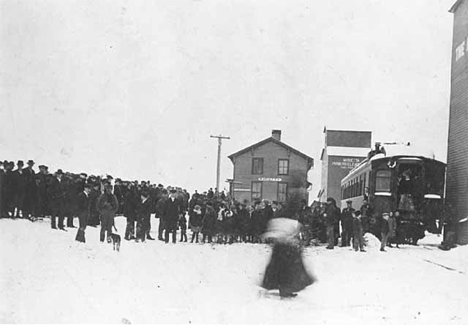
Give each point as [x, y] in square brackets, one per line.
[219, 137]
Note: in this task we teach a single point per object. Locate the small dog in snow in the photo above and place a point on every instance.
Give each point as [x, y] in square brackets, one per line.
[115, 240]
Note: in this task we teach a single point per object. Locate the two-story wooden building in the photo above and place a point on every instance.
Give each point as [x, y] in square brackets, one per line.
[271, 170]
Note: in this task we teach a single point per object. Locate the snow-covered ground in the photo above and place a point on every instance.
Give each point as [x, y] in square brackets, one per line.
[47, 277]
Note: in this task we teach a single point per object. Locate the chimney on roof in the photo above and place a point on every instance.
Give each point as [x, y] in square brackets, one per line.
[276, 134]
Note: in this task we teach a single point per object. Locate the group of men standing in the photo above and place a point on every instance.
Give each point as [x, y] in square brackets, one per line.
[322, 223]
[17, 189]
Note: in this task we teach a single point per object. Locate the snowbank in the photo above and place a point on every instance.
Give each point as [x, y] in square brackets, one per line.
[371, 241]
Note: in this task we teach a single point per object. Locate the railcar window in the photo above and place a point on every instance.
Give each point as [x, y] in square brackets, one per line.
[382, 181]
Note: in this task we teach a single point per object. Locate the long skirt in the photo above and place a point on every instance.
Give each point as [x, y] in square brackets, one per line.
[286, 270]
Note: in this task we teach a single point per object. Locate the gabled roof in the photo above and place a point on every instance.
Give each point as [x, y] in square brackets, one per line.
[455, 6]
[280, 143]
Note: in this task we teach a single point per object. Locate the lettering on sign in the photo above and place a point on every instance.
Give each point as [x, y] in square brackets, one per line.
[460, 51]
[347, 163]
[270, 179]
[242, 190]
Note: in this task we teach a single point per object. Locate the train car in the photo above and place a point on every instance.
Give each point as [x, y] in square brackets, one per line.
[401, 181]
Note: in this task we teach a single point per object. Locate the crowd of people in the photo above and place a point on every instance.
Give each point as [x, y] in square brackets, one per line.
[211, 216]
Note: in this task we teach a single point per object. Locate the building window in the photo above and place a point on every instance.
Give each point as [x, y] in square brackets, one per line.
[256, 191]
[257, 166]
[283, 166]
[282, 192]
[382, 181]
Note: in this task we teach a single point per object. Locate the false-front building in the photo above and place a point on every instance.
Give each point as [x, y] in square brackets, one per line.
[270, 170]
[343, 151]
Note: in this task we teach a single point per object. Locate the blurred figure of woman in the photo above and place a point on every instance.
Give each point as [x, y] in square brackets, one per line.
[286, 270]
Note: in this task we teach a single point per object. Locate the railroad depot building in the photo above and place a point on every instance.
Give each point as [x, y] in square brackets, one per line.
[271, 170]
[343, 151]
[457, 154]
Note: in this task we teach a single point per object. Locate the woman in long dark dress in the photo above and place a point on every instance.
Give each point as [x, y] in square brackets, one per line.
[286, 270]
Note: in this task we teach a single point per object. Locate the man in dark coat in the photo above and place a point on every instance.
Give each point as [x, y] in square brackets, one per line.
[42, 201]
[30, 193]
[56, 193]
[107, 205]
[160, 206]
[130, 211]
[347, 224]
[267, 211]
[93, 220]
[118, 192]
[358, 240]
[257, 222]
[20, 182]
[209, 222]
[172, 209]
[9, 190]
[366, 215]
[143, 216]
[384, 231]
[82, 212]
[332, 215]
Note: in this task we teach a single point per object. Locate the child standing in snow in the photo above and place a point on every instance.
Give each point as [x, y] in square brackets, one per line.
[195, 222]
[358, 239]
[384, 230]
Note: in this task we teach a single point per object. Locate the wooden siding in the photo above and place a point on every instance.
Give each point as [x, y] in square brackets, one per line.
[457, 156]
[270, 152]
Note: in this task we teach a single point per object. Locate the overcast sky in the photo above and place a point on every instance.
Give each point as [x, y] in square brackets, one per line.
[136, 88]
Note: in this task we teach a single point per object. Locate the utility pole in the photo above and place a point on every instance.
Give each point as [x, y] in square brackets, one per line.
[219, 137]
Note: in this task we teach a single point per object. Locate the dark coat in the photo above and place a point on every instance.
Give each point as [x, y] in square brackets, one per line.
[384, 227]
[20, 180]
[268, 213]
[195, 221]
[357, 227]
[56, 191]
[130, 205]
[347, 219]
[171, 214]
[258, 223]
[183, 223]
[107, 204]
[144, 209]
[209, 221]
[332, 215]
[160, 206]
[83, 206]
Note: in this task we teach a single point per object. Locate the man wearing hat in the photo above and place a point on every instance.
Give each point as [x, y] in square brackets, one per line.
[130, 211]
[56, 193]
[384, 231]
[29, 198]
[160, 206]
[347, 224]
[19, 189]
[118, 192]
[8, 188]
[107, 205]
[332, 215]
[82, 211]
[170, 217]
[42, 202]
